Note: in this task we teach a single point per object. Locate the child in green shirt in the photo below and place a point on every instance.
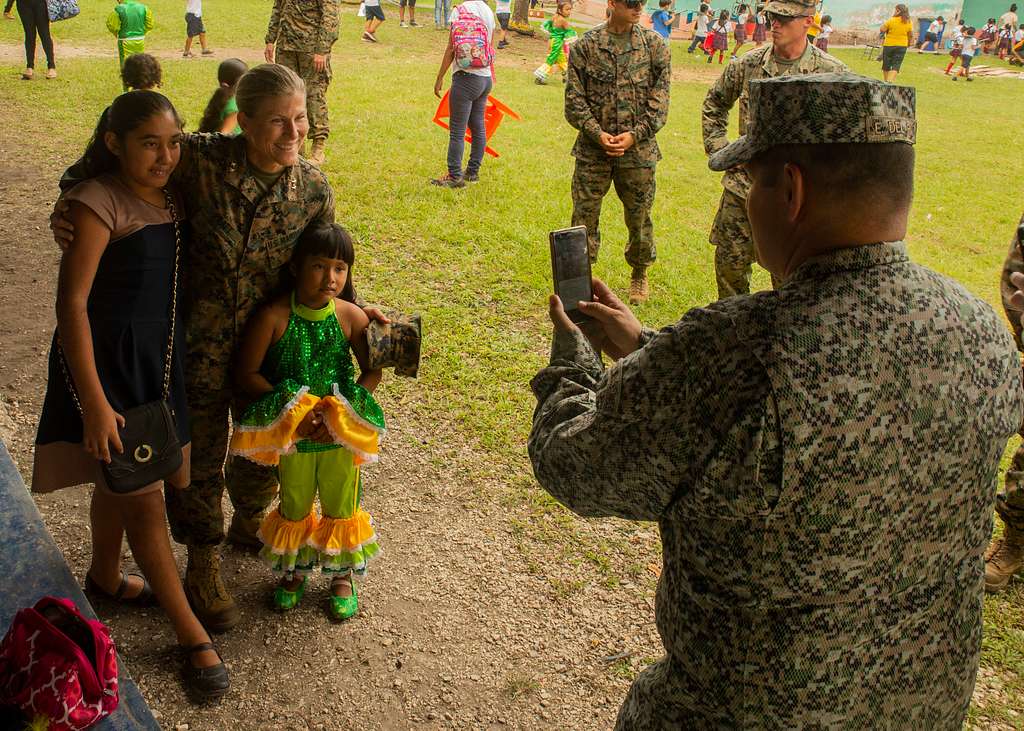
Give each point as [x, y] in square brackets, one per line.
[130, 21]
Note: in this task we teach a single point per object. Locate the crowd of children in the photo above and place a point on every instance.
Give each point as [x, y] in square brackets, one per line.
[711, 33]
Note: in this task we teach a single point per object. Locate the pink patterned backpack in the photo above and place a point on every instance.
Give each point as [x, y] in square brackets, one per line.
[469, 39]
[58, 667]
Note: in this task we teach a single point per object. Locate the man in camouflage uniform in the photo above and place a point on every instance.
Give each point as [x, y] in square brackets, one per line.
[616, 95]
[789, 53]
[300, 36]
[821, 459]
[1005, 556]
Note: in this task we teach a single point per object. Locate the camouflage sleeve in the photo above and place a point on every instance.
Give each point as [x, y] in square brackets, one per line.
[715, 112]
[275, 22]
[1014, 263]
[655, 113]
[327, 211]
[577, 110]
[620, 441]
[328, 32]
[192, 148]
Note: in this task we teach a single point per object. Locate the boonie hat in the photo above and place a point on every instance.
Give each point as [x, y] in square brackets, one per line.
[817, 109]
[792, 8]
[395, 344]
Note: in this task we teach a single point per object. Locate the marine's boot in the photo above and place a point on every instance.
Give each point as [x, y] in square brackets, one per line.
[242, 532]
[1003, 559]
[318, 152]
[638, 288]
[207, 594]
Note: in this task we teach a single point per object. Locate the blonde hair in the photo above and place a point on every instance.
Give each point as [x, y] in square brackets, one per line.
[266, 81]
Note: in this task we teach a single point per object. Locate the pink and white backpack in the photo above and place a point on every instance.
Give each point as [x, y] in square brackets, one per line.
[469, 39]
[57, 667]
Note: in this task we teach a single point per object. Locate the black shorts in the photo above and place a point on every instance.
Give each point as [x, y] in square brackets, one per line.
[965, 61]
[374, 11]
[503, 20]
[193, 25]
[892, 57]
[931, 38]
[407, 3]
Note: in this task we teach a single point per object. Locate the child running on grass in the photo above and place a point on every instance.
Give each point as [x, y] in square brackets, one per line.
[700, 28]
[313, 419]
[561, 36]
[130, 21]
[374, 17]
[141, 72]
[719, 33]
[958, 45]
[221, 114]
[970, 48]
[194, 27]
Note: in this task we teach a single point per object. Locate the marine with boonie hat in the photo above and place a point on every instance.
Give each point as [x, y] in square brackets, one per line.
[730, 232]
[820, 459]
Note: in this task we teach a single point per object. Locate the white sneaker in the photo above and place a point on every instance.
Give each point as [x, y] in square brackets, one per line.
[402, 25]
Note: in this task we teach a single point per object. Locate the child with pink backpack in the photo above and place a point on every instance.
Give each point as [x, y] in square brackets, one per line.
[470, 54]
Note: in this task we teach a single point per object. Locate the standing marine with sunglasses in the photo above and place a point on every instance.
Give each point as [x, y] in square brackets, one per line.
[616, 95]
[789, 53]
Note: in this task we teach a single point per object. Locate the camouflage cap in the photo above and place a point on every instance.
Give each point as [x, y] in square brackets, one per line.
[792, 8]
[821, 109]
[395, 344]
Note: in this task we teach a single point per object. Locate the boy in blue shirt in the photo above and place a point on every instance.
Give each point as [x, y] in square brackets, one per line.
[662, 19]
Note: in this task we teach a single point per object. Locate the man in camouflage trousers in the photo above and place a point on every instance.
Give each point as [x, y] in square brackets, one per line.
[821, 459]
[789, 53]
[616, 95]
[1005, 556]
[300, 36]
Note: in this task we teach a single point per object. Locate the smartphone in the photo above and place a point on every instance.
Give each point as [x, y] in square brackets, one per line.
[1020, 239]
[570, 269]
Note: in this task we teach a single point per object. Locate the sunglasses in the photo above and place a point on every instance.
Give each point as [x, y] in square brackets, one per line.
[780, 19]
[633, 4]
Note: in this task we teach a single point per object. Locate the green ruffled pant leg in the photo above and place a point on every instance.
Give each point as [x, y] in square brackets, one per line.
[297, 475]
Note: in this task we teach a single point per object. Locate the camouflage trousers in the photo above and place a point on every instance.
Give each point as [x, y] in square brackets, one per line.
[635, 188]
[195, 514]
[734, 246]
[1010, 502]
[316, 89]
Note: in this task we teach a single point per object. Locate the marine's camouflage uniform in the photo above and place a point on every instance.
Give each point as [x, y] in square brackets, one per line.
[240, 239]
[1010, 503]
[608, 91]
[823, 501]
[730, 232]
[301, 28]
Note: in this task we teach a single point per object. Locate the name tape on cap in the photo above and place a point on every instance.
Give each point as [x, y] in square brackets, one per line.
[891, 129]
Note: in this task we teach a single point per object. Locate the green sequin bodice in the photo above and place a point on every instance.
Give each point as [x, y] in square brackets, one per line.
[313, 352]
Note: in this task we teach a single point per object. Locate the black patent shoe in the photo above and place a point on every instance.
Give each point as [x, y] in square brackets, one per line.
[204, 684]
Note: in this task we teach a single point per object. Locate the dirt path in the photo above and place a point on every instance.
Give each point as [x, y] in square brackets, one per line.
[458, 629]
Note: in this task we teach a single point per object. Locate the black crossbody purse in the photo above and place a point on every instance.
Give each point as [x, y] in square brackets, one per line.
[149, 436]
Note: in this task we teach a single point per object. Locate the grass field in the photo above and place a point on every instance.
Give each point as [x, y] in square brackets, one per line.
[475, 263]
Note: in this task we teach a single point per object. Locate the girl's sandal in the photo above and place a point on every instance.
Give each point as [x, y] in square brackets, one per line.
[145, 597]
[204, 684]
[343, 607]
[285, 599]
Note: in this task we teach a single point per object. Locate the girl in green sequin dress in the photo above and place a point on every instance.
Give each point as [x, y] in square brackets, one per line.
[313, 420]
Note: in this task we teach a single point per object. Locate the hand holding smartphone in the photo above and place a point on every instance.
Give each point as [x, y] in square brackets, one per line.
[570, 269]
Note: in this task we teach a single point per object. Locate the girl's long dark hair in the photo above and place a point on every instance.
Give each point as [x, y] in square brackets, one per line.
[328, 240]
[901, 10]
[228, 74]
[126, 113]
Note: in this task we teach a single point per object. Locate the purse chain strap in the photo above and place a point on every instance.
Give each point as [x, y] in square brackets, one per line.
[169, 357]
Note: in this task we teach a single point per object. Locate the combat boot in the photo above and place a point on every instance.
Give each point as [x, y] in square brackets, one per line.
[206, 593]
[1003, 559]
[318, 152]
[242, 532]
[638, 288]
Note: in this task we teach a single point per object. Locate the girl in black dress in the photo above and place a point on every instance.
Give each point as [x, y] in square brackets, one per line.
[113, 324]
